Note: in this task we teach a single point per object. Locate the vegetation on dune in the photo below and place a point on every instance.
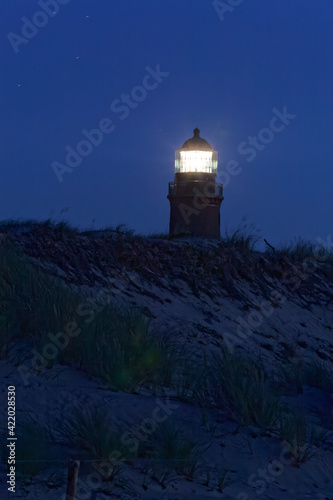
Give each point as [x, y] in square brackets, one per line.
[243, 239]
[95, 440]
[117, 345]
[120, 347]
[301, 438]
[241, 389]
[32, 303]
[171, 449]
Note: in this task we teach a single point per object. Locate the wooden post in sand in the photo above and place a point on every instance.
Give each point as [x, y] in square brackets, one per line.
[73, 472]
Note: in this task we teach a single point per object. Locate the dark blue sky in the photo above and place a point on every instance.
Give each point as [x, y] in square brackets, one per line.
[224, 77]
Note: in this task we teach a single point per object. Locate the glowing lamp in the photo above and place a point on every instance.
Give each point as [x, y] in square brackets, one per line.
[196, 155]
[196, 161]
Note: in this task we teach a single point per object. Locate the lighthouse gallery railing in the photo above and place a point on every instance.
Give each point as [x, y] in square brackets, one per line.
[209, 189]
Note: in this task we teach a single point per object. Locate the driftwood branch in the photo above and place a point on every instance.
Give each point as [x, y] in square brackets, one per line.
[270, 246]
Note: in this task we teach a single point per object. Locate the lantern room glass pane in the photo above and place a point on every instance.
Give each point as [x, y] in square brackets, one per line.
[196, 161]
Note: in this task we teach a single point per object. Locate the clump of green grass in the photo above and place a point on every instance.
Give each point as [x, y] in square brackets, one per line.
[172, 449]
[89, 429]
[299, 436]
[242, 386]
[297, 249]
[223, 479]
[243, 238]
[32, 303]
[300, 249]
[120, 347]
[90, 436]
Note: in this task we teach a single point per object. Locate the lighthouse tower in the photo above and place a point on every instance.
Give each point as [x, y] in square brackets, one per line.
[194, 196]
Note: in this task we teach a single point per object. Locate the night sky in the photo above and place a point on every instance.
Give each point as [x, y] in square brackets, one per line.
[223, 72]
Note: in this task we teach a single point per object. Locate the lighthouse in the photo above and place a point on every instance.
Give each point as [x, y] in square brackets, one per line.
[195, 198]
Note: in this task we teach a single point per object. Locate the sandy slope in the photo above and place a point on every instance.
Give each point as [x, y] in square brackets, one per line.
[204, 300]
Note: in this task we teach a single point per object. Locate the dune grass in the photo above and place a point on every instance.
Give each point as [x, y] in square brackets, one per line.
[120, 347]
[115, 344]
[301, 438]
[91, 436]
[59, 227]
[242, 387]
[300, 249]
[244, 238]
[32, 303]
[172, 449]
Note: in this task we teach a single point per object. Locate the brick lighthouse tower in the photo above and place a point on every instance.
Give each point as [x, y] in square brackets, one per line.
[194, 196]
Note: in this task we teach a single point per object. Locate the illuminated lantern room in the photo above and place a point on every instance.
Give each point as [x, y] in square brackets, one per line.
[194, 196]
[196, 155]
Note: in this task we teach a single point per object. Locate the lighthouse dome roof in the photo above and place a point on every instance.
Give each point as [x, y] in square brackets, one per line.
[196, 143]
